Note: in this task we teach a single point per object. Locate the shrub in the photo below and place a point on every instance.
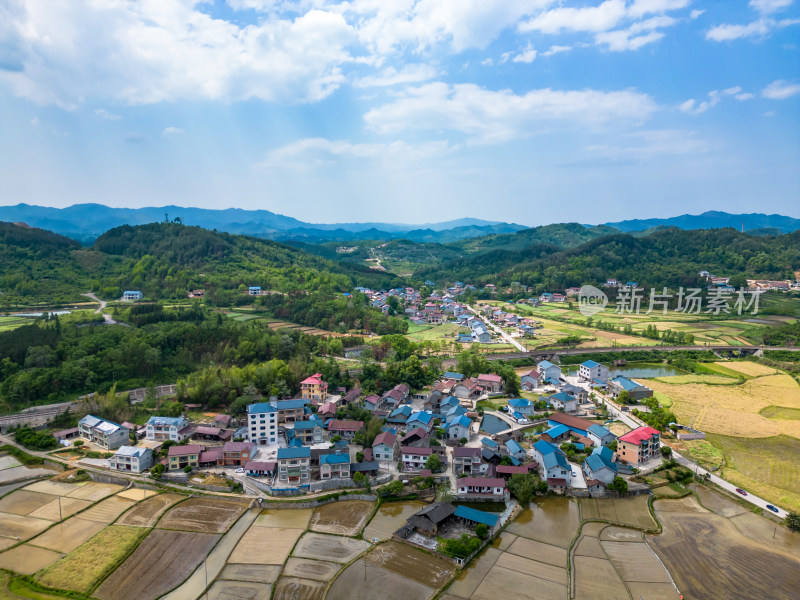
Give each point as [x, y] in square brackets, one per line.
[78, 443]
[460, 547]
[482, 530]
[187, 469]
[793, 521]
[35, 440]
[619, 484]
[157, 471]
[522, 486]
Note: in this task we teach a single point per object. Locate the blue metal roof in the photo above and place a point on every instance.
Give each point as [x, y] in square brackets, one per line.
[556, 431]
[513, 447]
[404, 410]
[590, 364]
[519, 402]
[306, 425]
[489, 442]
[334, 459]
[422, 417]
[294, 453]
[452, 375]
[599, 430]
[595, 462]
[175, 421]
[555, 459]
[625, 383]
[546, 364]
[544, 447]
[463, 420]
[294, 403]
[562, 397]
[260, 407]
[465, 512]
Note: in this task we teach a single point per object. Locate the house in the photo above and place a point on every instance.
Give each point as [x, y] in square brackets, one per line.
[490, 444]
[422, 420]
[522, 406]
[481, 488]
[351, 396]
[428, 520]
[506, 471]
[254, 290]
[600, 436]
[103, 433]
[414, 458]
[548, 370]
[399, 415]
[132, 295]
[161, 429]
[468, 460]
[67, 434]
[481, 335]
[639, 445]
[308, 432]
[563, 402]
[294, 465]
[209, 433]
[221, 420]
[416, 437]
[474, 517]
[290, 411]
[133, 459]
[452, 376]
[468, 389]
[211, 457]
[327, 410]
[514, 450]
[261, 469]
[557, 434]
[599, 466]
[384, 446]
[314, 388]
[237, 454]
[593, 371]
[454, 413]
[180, 457]
[530, 380]
[551, 460]
[346, 429]
[354, 351]
[333, 466]
[371, 402]
[636, 391]
[575, 424]
[459, 428]
[262, 423]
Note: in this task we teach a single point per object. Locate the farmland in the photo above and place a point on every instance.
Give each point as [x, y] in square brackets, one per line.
[341, 518]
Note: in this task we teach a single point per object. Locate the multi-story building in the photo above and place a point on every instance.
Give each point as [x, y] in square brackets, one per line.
[639, 445]
[593, 371]
[313, 388]
[290, 411]
[414, 458]
[468, 460]
[333, 466]
[181, 457]
[294, 465]
[383, 448]
[161, 429]
[238, 454]
[262, 423]
[103, 433]
[481, 488]
[133, 459]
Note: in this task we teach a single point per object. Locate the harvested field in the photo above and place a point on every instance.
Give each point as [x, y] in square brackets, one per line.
[328, 547]
[505, 583]
[722, 559]
[18, 474]
[18, 526]
[748, 368]
[147, 512]
[59, 508]
[204, 515]
[596, 579]
[550, 520]
[137, 494]
[546, 553]
[293, 588]
[23, 502]
[534, 568]
[717, 502]
[162, 561]
[620, 534]
[27, 559]
[368, 581]
[253, 573]
[81, 569]
[389, 518]
[239, 590]
[635, 562]
[341, 518]
[107, 510]
[653, 591]
[68, 535]
[6, 543]
[470, 578]
[8, 462]
[290, 518]
[761, 530]
[319, 570]
[95, 491]
[696, 378]
[412, 563]
[56, 488]
[265, 545]
[590, 546]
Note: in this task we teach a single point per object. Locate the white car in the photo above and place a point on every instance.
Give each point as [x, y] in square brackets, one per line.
[240, 470]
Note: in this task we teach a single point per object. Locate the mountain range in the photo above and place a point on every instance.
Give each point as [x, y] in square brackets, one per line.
[713, 219]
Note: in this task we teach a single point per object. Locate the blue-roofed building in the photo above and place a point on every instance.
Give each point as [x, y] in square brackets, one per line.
[262, 423]
[599, 466]
[291, 410]
[464, 338]
[557, 434]
[452, 375]
[459, 428]
[472, 516]
[563, 402]
[636, 390]
[516, 451]
[400, 415]
[522, 406]
[490, 444]
[294, 465]
[549, 370]
[454, 413]
[254, 290]
[422, 419]
[552, 461]
[309, 432]
[161, 429]
[600, 436]
[591, 371]
[334, 465]
[132, 295]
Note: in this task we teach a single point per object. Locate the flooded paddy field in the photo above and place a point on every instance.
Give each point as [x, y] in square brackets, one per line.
[265, 545]
[290, 518]
[294, 588]
[147, 512]
[342, 518]
[364, 580]
[203, 515]
[631, 511]
[239, 590]
[412, 563]
[319, 570]
[550, 520]
[390, 517]
[328, 547]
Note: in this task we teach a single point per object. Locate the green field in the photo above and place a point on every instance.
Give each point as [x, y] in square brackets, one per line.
[435, 333]
[780, 412]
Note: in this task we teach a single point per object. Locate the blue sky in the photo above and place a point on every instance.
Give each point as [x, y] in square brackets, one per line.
[532, 111]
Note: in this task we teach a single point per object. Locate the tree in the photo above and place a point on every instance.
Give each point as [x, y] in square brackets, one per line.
[619, 484]
[522, 486]
[359, 456]
[359, 479]
[157, 471]
[793, 521]
[392, 489]
[433, 463]
[481, 530]
[624, 398]
[666, 451]
[187, 469]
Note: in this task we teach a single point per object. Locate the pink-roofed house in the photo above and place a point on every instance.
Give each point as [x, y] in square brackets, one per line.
[491, 383]
[639, 445]
[327, 410]
[314, 388]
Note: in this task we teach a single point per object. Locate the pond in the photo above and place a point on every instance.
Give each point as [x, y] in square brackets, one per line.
[491, 424]
[642, 370]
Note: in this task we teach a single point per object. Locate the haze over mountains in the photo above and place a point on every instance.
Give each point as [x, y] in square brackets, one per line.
[86, 222]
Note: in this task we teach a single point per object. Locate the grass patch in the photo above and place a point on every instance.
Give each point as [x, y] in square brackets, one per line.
[705, 454]
[497, 405]
[663, 400]
[22, 456]
[780, 412]
[698, 378]
[446, 331]
[12, 588]
[90, 563]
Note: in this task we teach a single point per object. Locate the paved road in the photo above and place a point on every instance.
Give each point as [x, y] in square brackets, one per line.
[498, 331]
[106, 317]
[631, 421]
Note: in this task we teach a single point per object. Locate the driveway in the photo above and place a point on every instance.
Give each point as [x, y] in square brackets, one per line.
[578, 480]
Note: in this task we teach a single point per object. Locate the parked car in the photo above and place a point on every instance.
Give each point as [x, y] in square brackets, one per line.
[741, 491]
[240, 470]
[772, 508]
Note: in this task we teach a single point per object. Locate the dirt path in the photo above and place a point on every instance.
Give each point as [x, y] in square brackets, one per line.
[103, 303]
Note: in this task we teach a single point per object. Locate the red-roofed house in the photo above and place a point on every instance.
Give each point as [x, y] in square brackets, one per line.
[491, 383]
[211, 457]
[346, 429]
[414, 458]
[181, 457]
[530, 380]
[481, 488]
[327, 410]
[639, 445]
[313, 388]
[383, 448]
[260, 469]
[237, 454]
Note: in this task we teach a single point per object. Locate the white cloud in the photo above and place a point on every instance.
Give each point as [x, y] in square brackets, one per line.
[315, 152]
[391, 76]
[527, 56]
[487, 62]
[487, 116]
[635, 36]
[592, 18]
[781, 90]
[168, 131]
[714, 97]
[767, 7]
[35, 121]
[696, 13]
[643, 7]
[556, 50]
[104, 114]
[759, 28]
[744, 96]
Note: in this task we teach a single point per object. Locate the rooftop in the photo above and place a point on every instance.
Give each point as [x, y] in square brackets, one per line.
[639, 435]
[284, 453]
[185, 450]
[260, 407]
[481, 482]
[478, 516]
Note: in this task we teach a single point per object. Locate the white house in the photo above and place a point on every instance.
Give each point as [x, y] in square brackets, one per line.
[132, 295]
[133, 459]
[549, 370]
[459, 428]
[552, 461]
[598, 465]
[414, 458]
[481, 488]
[593, 371]
[262, 423]
[104, 433]
[563, 402]
[522, 406]
[383, 448]
[167, 428]
[600, 435]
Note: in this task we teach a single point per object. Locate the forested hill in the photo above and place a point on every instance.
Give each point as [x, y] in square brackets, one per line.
[163, 260]
[670, 257]
[559, 235]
